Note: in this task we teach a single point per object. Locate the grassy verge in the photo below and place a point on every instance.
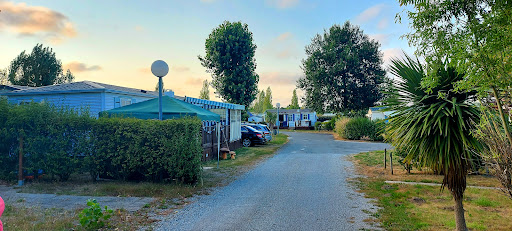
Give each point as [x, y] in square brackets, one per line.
[169, 197]
[420, 207]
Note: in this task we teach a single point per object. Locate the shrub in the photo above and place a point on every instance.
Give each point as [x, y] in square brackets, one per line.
[52, 139]
[360, 128]
[329, 125]
[341, 125]
[318, 125]
[93, 217]
[134, 149]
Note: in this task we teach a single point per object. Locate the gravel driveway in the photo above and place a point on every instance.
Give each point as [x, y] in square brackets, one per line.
[303, 187]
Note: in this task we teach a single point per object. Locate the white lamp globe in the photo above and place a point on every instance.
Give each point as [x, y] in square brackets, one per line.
[278, 105]
[159, 68]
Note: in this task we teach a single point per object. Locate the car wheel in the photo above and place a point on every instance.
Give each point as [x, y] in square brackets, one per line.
[246, 142]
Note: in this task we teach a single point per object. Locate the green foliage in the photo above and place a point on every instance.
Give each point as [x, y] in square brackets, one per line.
[61, 141]
[39, 68]
[271, 119]
[230, 59]
[295, 101]
[54, 139]
[93, 217]
[205, 91]
[133, 149]
[359, 128]
[329, 125]
[343, 70]
[433, 126]
[318, 125]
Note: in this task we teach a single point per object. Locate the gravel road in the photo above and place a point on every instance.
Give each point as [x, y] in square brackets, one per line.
[303, 187]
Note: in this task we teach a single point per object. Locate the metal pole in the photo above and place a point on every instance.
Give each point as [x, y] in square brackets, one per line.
[160, 98]
[218, 144]
[278, 120]
[20, 159]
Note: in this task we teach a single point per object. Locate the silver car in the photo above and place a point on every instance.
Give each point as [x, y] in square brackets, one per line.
[262, 128]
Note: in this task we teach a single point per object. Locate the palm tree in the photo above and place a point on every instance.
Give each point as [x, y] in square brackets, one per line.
[433, 125]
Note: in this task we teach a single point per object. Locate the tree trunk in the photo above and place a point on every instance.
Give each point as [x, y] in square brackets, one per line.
[460, 221]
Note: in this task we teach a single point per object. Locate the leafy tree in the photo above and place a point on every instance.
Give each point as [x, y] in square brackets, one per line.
[258, 105]
[3, 77]
[433, 126]
[230, 59]
[342, 71]
[475, 34]
[205, 91]
[267, 102]
[295, 101]
[39, 68]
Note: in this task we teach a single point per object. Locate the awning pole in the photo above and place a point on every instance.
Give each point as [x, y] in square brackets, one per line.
[218, 144]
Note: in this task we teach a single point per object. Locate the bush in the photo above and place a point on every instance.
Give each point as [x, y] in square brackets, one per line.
[60, 142]
[324, 118]
[53, 139]
[134, 149]
[340, 126]
[329, 125]
[93, 217]
[318, 125]
[360, 128]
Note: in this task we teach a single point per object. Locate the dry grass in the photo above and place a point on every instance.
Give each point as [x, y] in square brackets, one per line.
[420, 207]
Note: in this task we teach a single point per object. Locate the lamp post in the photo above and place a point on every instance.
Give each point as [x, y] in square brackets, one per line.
[159, 68]
[278, 105]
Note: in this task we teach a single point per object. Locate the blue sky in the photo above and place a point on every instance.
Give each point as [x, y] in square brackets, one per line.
[116, 41]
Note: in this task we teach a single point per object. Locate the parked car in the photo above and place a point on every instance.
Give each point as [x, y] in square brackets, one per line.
[251, 136]
[262, 128]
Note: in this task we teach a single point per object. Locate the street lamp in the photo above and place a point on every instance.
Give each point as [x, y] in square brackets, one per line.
[159, 68]
[278, 105]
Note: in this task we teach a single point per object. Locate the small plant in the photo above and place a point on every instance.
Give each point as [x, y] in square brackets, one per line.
[94, 217]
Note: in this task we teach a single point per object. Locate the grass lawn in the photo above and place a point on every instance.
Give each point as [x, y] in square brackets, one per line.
[420, 207]
[170, 196]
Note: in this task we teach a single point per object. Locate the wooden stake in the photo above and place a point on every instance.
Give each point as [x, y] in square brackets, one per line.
[20, 163]
[385, 158]
[391, 161]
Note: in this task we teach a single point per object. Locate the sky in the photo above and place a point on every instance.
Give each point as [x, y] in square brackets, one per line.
[116, 41]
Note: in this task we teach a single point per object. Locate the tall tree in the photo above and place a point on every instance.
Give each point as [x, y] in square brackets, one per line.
[39, 68]
[3, 77]
[267, 102]
[343, 70]
[205, 91]
[475, 34]
[434, 125]
[230, 59]
[258, 105]
[295, 101]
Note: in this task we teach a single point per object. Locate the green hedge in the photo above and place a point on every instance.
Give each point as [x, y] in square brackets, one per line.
[61, 142]
[133, 149]
[360, 128]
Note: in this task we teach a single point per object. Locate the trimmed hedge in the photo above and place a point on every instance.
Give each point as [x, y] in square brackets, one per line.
[133, 149]
[59, 142]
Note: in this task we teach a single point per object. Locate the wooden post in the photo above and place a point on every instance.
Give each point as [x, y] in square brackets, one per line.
[385, 158]
[20, 162]
[391, 161]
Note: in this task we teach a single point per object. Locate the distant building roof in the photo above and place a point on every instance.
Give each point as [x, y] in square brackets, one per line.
[14, 87]
[82, 86]
[291, 111]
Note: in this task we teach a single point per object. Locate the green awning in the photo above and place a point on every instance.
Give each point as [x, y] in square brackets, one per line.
[172, 108]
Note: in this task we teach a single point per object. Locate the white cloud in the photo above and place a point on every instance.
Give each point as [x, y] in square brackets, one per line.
[383, 39]
[383, 24]
[283, 46]
[369, 14]
[28, 20]
[80, 67]
[180, 68]
[282, 4]
[391, 54]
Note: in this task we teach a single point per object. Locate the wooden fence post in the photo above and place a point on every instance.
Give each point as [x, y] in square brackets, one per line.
[391, 161]
[385, 158]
